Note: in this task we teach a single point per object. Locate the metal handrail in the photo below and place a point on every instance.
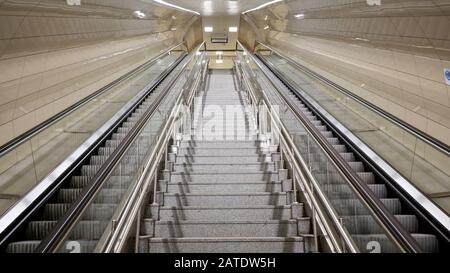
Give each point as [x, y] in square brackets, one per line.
[303, 171]
[435, 143]
[16, 142]
[394, 229]
[129, 215]
[65, 225]
[19, 214]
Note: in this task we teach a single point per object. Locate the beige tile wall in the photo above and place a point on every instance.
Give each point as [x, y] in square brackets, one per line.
[52, 55]
[393, 55]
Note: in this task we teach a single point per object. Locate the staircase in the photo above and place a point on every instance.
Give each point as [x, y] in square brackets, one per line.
[223, 193]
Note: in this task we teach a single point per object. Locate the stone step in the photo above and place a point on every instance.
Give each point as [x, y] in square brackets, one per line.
[176, 177]
[223, 159]
[261, 228]
[225, 199]
[214, 168]
[223, 187]
[224, 245]
[209, 137]
[265, 212]
[221, 144]
[221, 151]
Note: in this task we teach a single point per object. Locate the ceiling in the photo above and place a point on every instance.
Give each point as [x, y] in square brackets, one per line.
[218, 7]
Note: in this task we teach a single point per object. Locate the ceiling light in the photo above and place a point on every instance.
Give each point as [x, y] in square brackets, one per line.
[299, 16]
[209, 29]
[162, 2]
[139, 14]
[266, 18]
[219, 61]
[73, 2]
[262, 6]
[233, 29]
[266, 27]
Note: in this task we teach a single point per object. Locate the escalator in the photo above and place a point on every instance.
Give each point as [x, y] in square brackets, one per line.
[28, 232]
[362, 226]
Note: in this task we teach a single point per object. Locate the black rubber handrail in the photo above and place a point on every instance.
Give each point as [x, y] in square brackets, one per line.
[19, 140]
[402, 238]
[76, 210]
[436, 143]
[33, 207]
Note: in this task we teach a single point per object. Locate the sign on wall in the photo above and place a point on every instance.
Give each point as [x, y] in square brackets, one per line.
[447, 76]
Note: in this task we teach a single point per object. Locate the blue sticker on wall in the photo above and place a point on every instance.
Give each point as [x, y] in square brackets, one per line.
[447, 75]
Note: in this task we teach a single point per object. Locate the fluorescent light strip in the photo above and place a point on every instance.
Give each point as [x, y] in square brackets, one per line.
[262, 6]
[162, 2]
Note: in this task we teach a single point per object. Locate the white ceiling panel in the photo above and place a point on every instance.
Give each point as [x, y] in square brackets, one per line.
[218, 7]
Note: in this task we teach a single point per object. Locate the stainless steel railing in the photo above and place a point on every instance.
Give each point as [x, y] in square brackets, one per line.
[337, 237]
[400, 238]
[118, 229]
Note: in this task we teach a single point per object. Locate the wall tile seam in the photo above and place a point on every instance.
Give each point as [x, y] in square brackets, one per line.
[135, 49]
[13, 109]
[428, 117]
[381, 44]
[106, 40]
[442, 82]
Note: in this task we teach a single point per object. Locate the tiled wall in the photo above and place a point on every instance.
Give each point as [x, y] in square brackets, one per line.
[52, 54]
[392, 54]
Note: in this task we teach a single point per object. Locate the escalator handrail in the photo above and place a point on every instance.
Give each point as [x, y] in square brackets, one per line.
[66, 224]
[434, 216]
[131, 209]
[313, 202]
[396, 231]
[435, 143]
[19, 214]
[19, 140]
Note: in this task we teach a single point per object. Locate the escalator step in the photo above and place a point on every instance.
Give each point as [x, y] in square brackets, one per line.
[428, 243]
[327, 134]
[355, 207]
[113, 182]
[340, 148]
[53, 212]
[90, 230]
[367, 177]
[104, 196]
[333, 141]
[357, 166]
[336, 191]
[23, 247]
[364, 224]
[348, 156]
